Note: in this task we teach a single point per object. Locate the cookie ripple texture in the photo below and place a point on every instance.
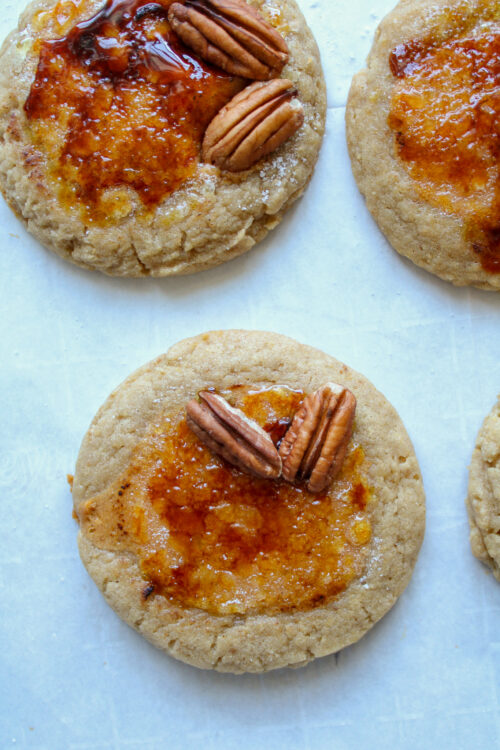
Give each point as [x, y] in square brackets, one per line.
[428, 236]
[257, 642]
[212, 218]
[483, 500]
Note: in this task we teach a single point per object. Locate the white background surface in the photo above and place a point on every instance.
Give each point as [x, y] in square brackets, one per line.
[73, 676]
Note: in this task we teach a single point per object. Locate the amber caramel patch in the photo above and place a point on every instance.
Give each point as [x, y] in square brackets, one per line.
[445, 112]
[207, 535]
[61, 17]
[119, 105]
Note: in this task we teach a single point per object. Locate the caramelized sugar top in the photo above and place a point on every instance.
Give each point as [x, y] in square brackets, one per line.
[209, 536]
[445, 112]
[118, 102]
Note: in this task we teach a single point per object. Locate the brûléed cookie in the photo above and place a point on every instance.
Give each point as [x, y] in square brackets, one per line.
[103, 114]
[226, 570]
[483, 500]
[422, 130]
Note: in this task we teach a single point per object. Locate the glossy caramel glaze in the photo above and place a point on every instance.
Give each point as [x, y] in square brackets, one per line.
[118, 103]
[207, 535]
[445, 113]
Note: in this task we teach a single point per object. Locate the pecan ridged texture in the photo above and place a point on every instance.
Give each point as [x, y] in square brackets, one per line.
[254, 124]
[315, 446]
[228, 432]
[231, 35]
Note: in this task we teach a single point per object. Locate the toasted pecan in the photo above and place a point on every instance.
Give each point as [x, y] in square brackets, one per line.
[234, 436]
[231, 35]
[315, 446]
[254, 123]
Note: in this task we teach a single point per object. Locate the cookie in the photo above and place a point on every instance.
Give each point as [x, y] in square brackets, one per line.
[483, 500]
[226, 570]
[423, 137]
[103, 111]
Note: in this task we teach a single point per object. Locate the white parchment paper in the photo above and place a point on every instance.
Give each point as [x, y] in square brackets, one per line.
[73, 676]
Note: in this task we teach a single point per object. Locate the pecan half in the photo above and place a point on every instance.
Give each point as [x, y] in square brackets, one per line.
[254, 123]
[315, 445]
[234, 436]
[231, 35]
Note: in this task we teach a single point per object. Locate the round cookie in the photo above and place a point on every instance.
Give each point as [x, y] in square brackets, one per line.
[113, 216]
[483, 500]
[422, 136]
[387, 507]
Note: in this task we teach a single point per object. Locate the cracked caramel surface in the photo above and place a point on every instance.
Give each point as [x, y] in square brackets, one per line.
[445, 112]
[206, 535]
[118, 102]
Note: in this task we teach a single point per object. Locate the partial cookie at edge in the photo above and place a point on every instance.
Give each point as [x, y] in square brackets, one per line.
[483, 499]
[428, 236]
[210, 219]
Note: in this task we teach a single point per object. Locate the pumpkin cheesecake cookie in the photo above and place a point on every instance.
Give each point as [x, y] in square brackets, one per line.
[247, 502]
[483, 500]
[422, 130]
[154, 138]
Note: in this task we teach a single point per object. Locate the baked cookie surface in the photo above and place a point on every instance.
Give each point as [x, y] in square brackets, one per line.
[483, 500]
[423, 137]
[223, 570]
[102, 161]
